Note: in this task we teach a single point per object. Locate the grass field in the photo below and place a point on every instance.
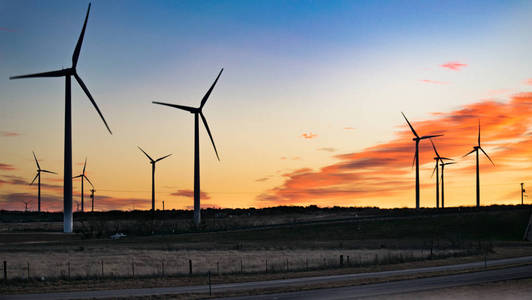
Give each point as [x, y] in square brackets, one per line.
[373, 238]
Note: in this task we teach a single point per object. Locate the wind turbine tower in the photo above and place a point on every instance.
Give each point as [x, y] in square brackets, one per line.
[438, 159]
[83, 177]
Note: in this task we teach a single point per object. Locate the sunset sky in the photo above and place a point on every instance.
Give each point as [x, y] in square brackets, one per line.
[307, 111]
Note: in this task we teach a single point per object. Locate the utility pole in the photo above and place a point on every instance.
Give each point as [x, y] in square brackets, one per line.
[522, 192]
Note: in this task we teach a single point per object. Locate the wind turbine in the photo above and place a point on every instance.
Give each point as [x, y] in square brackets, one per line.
[26, 205]
[443, 164]
[417, 139]
[68, 73]
[92, 197]
[83, 176]
[437, 159]
[153, 162]
[39, 170]
[197, 111]
[475, 149]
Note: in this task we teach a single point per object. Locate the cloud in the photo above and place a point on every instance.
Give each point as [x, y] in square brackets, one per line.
[529, 81]
[6, 167]
[190, 194]
[309, 135]
[385, 169]
[7, 29]
[262, 179]
[327, 149]
[9, 133]
[433, 81]
[453, 65]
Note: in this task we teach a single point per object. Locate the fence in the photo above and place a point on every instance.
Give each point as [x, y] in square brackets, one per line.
[173, 267]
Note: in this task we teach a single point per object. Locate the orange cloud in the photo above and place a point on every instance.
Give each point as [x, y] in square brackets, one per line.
[385, 169]
[190, 194]
[433, 81]
[309, 135]
[453, 65]
[6, 167]
[9, 133]
[529, 81]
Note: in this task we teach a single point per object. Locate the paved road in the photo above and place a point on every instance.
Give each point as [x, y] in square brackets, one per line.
[403, 286]
[265, 284]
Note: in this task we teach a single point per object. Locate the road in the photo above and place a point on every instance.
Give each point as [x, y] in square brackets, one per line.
[402, 286]
[497, 274]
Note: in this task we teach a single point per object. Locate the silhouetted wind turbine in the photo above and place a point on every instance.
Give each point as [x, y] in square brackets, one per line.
[67, 73]
[443, 164]
[438, 159]
[83, 176]
[198, 111]
[153, 162]
[475, 149]
[26, 205]
[417, 139]
[39, 170]
[92, 197]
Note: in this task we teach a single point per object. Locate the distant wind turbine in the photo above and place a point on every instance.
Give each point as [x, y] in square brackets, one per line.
[39, 170]
[153, 162]
[68, 73]
[437, 159]
[83, 177]
[417, 139]
[197, 111]
[92, 198]
[475, 149]
[443, 164]
[26, 205]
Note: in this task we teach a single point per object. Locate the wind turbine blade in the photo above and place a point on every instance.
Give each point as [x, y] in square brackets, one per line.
[57, 73]
[145, 154]
[204, 100]
[34, 178]
[36, 161]
[46, 171]
[88, 180]
[469, 152]
[84, 166]
[159, 159]
[434, 170]
[430, 136]
[414, 161]
[187, 108]
[487, 156]
[86, 90]
[77, 176]
[210, 135]
[410, 125]
[434, 147]
[77, 50]
[479, 132]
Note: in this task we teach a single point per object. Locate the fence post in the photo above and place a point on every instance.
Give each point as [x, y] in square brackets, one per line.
[189, 267]
[241, 266]
[162, 267]
[210, 290]
[286, 264]
[5, 270]
[68, 270]
[133, 268]
[306, 263]
[348, 263]
[341, 260]
[102, 267]
[28, 270]
[266, 266]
